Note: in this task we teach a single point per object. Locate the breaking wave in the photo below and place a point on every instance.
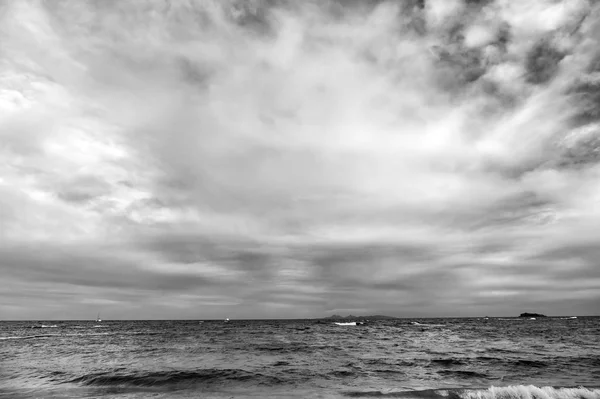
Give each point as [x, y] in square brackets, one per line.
[416, 323]
[509, 392]
[40, 336]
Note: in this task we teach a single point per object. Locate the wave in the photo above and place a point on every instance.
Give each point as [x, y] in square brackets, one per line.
[172, 379]
[29, 337]
[45, 326]
[511, 319]
[463, 373]
[496, 361]
[342, 373]
[501, 350]
[37, 336]
[531, 363]
[456, 365]
[281, 363]
[448, 362]
[85, 335]
[390, 362]
[416, 323]
[294, 347]
[509, 392]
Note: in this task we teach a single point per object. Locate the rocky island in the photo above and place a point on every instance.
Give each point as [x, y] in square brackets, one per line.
[532, 315]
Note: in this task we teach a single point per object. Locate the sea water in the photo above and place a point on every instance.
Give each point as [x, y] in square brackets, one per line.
[419, 358]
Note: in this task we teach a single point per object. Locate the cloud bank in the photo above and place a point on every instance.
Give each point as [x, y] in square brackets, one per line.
[257, 159]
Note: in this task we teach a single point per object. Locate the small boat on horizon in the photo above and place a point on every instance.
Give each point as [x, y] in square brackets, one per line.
[98, 319]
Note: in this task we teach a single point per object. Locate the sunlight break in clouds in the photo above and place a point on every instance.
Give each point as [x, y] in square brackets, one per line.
[199, 159]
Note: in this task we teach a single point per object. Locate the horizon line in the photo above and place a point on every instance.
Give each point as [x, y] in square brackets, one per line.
[310, 318]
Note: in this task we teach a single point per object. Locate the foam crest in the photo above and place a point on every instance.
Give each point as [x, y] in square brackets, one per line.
[27, 337]
[508, 392]
[531, 392]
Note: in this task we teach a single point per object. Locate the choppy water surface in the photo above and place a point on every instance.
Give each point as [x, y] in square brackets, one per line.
[301, 358]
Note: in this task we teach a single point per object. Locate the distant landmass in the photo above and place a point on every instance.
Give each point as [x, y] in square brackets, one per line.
[532, 315]
[373, 317]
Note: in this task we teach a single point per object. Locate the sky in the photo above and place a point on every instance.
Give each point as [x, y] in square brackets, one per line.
[280, 159]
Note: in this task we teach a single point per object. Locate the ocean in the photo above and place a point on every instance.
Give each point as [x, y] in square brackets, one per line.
[481, 358]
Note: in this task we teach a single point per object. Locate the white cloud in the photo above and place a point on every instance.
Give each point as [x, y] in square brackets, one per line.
[197, 141]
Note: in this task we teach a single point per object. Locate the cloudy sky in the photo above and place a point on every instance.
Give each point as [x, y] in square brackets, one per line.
[262, 159]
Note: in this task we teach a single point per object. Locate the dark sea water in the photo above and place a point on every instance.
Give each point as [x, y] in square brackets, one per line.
[427, 358]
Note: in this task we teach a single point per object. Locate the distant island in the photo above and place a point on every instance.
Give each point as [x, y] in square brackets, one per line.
[532, 315]
[374, 317]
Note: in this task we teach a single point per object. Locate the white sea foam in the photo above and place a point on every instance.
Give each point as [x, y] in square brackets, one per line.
[530, 392]
[416, 323]
[7, 338]
[508, 392]
[28, 337]
[17, 337]
[514, 319]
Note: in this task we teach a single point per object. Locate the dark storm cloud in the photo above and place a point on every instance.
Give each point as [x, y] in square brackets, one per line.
[82, 267]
